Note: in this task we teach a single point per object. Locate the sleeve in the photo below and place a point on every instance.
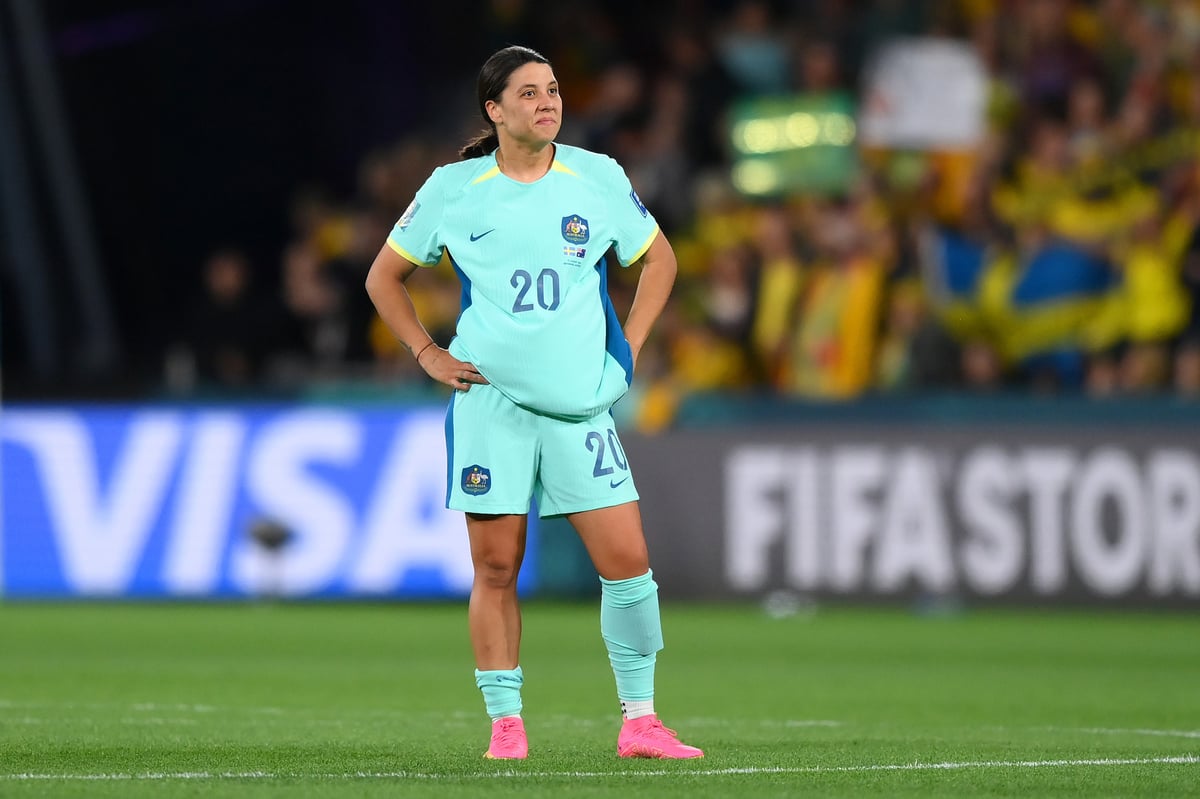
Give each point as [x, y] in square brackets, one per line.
[417, 235]
[634, 227]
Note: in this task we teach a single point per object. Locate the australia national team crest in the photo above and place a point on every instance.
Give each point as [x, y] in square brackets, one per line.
[476, 480]
[575, 229]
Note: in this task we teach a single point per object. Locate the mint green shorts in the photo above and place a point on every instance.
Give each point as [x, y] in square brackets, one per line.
[500, 455]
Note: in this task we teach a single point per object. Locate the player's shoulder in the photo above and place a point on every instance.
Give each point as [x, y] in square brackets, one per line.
[457, 175]
[586, 163]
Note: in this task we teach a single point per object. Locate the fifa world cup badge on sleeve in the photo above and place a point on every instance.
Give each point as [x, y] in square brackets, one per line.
[637, 201]
[476, 480]
[409, 213]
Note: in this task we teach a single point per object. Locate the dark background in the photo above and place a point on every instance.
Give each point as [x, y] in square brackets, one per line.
[153, 135]
[194, 125]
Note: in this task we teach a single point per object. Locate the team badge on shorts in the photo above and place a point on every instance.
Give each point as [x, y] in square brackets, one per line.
[575, 229]
[476, 480]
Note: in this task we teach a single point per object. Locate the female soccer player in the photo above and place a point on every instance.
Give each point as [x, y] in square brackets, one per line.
[538, 361]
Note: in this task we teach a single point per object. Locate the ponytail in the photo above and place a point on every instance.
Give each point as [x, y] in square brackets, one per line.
[481, 145]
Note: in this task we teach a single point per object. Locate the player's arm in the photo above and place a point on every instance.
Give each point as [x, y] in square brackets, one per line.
[653, 289]
[385, 286]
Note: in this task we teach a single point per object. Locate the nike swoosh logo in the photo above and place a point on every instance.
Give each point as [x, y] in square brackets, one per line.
[481, 235]
[611, 484]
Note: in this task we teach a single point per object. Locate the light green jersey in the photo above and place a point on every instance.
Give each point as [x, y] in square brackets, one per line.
[536, 317]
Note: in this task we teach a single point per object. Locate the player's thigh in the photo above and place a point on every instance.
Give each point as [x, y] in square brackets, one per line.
[497, 545]
[582, 467]
[614, 540]
[491, 453]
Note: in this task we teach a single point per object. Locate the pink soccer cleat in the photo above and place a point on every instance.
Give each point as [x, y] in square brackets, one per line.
[508, 740]
[647, 737]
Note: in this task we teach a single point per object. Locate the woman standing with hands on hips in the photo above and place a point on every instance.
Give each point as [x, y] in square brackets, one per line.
[538, 360]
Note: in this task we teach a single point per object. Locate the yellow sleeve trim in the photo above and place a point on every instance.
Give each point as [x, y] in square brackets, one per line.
[408, 256]
[642, 250]
[491, 173]
[558, 166]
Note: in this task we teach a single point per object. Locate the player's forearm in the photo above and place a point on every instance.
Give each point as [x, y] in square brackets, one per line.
[654, 289]
[395, 307]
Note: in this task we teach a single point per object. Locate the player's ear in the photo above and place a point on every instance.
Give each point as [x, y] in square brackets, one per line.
[493, 111]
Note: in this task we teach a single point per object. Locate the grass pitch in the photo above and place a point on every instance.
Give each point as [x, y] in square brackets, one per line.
[341, 700]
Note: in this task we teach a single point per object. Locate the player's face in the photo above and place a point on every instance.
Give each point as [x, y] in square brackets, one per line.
[530, 108]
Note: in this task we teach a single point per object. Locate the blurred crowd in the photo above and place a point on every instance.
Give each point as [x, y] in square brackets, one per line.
[1057, 252]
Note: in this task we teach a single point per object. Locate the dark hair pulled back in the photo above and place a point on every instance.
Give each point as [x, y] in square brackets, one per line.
[493, 78]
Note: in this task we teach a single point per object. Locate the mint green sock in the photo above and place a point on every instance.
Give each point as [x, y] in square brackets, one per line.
[632, 631]
[501, 691]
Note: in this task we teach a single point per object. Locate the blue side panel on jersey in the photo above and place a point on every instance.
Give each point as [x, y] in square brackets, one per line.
[450, 447]
[614, 338]
[465, 302]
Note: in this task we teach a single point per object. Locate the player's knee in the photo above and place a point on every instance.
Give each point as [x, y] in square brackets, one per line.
[496, 572]
[623, 566]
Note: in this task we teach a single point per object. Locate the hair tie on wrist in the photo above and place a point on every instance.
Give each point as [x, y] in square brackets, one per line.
[422, 352]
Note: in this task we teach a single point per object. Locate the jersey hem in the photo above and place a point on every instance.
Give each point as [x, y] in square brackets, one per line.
[584, 507]
[496, 510]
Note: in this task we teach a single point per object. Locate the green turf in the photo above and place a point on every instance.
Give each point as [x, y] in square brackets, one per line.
[373, 701]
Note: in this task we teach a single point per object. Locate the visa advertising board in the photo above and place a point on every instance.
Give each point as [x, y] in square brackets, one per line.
[162, 502]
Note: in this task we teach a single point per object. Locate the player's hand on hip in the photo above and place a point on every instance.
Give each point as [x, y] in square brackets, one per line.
[445, 368]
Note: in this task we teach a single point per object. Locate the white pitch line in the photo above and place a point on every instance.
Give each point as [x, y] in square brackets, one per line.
[459, 716]
[1159, 733]
[134, 706]
[77, 720]
[721, 772]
